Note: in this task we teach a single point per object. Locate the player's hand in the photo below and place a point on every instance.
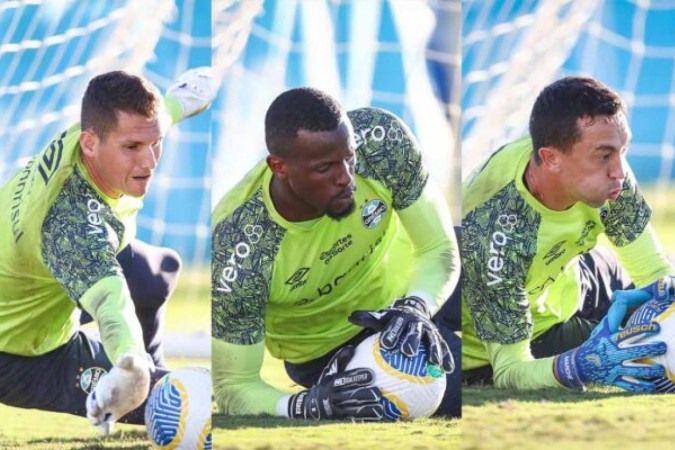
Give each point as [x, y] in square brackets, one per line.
[194, 90]
[662, 289]
[119, 392]
[661, 294]
[609, 355]
[339, 393]
[404, 325]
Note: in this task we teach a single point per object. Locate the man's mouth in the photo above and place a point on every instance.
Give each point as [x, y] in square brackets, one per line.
[346, 194]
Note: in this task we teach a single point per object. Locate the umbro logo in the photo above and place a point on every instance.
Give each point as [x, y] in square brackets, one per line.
[556, 252]
[299, 278]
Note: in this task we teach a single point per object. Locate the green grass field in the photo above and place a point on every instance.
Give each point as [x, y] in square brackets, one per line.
[188, 313]
[262, 433]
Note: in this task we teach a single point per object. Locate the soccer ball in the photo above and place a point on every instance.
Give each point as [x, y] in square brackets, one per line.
[178, 410]
[663, 312]
[411, 387]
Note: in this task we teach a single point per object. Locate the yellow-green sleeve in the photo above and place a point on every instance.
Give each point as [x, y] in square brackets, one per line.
[644, 259]
[514, 367]
[174, 108]
[237, 386]
[109, 304]
[435, 257]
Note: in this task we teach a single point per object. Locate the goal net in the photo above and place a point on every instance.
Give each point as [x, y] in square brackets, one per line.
[512, 49]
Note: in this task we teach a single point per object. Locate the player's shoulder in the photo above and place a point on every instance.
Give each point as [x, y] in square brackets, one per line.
[242, 195]
[384, 143]
[376, 128]
[498, 171]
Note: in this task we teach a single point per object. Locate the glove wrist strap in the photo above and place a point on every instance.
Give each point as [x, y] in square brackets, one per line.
[565, 370]
[296, 409]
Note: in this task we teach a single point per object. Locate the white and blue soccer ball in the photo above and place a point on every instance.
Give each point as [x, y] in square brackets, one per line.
[178, 410]
[411, 388]
[663, 312]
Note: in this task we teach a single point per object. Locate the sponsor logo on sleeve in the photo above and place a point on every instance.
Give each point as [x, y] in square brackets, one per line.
[499, 240]
[238, 255]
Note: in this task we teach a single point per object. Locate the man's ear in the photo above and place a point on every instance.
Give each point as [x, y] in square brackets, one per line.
[550, 157]
[277, 165]
[88, 142]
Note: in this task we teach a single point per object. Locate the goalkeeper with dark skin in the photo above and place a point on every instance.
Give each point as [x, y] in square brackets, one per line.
[337, 235]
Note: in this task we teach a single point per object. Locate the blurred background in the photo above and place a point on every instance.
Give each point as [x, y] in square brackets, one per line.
[49, 50]
[400, 55]
[513, 49]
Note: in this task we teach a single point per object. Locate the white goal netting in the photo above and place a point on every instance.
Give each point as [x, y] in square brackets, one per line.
[512, 49]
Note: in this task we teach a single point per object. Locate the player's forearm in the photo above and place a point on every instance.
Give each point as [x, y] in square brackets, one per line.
[644, 259]
[237, 386]
[514, 367]
[109, 303]
[436, 259]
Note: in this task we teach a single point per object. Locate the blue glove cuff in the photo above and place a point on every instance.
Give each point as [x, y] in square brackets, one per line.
[565, 370]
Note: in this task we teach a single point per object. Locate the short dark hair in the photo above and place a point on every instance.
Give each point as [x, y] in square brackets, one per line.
[302, 108]
[116, 91]
[553, 122]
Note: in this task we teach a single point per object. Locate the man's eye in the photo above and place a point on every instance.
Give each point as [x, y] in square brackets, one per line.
[323, 168]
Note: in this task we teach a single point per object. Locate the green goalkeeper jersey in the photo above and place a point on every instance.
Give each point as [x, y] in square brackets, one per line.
[59, 236]
[519, 258]
[293, 284]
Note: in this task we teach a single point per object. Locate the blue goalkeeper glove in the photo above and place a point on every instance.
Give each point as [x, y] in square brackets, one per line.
[405, 325]
[608, 356]
[662, 289]
[661, 294]
[339, 393]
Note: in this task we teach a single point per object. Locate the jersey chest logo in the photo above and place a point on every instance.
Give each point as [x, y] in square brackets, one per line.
[299, 278]
[556, 252]
[373, 213]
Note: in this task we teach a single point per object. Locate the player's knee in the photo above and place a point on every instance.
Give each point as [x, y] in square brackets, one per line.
[170, 268]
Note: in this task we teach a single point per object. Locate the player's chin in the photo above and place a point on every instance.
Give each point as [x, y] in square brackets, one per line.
[138, 187]
[597, 202]
[341, 209]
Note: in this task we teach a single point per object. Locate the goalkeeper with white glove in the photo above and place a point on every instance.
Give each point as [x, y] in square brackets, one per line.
[77, 252]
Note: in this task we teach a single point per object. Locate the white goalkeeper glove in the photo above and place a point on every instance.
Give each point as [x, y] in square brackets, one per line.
[119, 392]
[194, 90]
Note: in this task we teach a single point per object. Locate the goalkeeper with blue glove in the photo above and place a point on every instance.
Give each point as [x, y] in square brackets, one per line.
[537, 293]
[336, 235]
[67, 225]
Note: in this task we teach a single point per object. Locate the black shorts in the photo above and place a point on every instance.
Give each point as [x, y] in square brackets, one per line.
[60, 380]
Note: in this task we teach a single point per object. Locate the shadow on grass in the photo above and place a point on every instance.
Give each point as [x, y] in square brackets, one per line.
[240, 422]
[483, 395]
[135, 440]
